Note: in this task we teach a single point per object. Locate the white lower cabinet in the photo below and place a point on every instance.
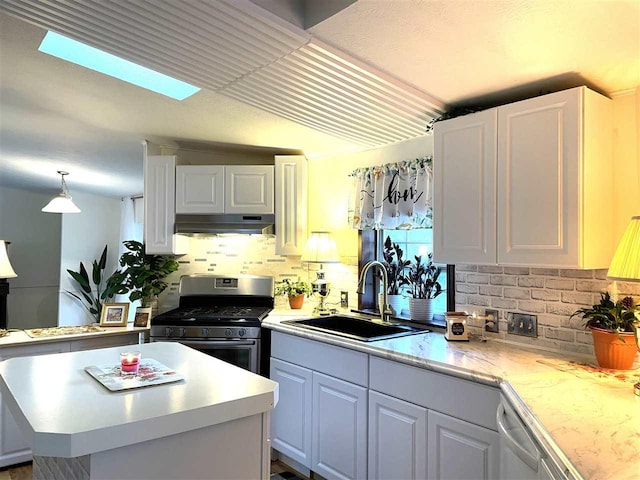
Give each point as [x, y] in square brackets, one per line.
[397, 439]
[339, 428]
[291, 419]
[461, 450]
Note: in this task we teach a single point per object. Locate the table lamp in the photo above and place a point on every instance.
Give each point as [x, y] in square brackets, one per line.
[625, 265]
[6, 271]
[320, 248]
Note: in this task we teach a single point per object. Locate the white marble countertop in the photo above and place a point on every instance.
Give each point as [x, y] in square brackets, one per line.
[19, 337]
[587, 418]
[67, 413]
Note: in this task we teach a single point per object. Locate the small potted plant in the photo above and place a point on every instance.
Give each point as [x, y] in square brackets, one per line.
[395, 266]
[612, 327]
[295, 290]
[422, 279]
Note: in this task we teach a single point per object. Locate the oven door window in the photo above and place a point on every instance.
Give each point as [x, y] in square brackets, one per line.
[241, 353]
[240, 357]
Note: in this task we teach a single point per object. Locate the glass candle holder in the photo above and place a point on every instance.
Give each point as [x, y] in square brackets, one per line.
[129, 363]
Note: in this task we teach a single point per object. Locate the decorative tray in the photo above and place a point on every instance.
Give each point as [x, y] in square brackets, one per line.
[57, 331]
[151, 372]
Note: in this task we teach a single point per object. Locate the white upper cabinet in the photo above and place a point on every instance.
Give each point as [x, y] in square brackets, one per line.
[159, 206]
[200, 189]
[553, 195]
[249, 189]
[291, 204]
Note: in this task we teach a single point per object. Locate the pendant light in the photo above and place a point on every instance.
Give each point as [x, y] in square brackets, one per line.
[62, 203]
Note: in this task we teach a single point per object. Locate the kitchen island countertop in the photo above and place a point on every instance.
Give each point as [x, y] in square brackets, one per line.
[587, 417]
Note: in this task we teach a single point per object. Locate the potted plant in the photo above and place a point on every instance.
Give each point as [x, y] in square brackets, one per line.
[102, 290]
[395, 266]
[422, 279]
[614, 334]
[295, 290]
[143, 274]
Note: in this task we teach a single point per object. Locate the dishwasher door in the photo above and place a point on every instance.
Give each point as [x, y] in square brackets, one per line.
[519, 454]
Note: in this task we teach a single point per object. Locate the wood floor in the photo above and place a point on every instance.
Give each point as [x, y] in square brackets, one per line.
[23, 471]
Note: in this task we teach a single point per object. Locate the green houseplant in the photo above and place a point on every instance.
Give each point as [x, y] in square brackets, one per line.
[295, 290]
[142, 274]
[395, 266]
[97, 289]
[422, 279]
[612, 327]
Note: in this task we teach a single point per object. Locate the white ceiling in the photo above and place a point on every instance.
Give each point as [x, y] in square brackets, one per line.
[54, 115]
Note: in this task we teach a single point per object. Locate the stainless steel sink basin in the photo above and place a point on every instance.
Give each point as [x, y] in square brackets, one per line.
[356, 328]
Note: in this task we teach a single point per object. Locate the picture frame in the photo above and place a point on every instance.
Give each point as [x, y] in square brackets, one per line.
[114, 314]
[143, 315]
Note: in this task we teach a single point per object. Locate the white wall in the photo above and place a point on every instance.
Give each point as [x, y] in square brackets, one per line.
[83, 238]
[34, 254]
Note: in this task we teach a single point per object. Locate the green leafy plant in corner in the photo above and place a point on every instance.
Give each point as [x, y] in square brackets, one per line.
[608, 315]
[395, 266]
[293, 288]
[97, 289]
[142, 274]
[422, 278]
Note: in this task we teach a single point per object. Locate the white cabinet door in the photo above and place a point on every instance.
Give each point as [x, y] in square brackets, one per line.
[13, 446]
[464, 215]
[200, 189]
[554, 181]
[291, 418]
[397, 439]
[291, 204]
[249, 189]
[458, 449]
[339, 428]
[159, 206]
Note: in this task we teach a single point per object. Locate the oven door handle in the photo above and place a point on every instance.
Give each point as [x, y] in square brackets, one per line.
[213, 343]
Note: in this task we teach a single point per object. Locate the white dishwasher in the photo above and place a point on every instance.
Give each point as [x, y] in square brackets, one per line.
[519, 454]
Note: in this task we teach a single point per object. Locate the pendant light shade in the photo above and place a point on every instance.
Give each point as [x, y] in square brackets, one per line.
[62, 203]
[625, 265]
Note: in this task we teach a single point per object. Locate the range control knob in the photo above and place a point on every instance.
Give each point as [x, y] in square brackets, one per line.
[183, 332]
[205, 332]
[242, 332]
[228, 332]
[167, 332]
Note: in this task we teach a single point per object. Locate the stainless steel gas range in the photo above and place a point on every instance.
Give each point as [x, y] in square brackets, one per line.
[220, 315]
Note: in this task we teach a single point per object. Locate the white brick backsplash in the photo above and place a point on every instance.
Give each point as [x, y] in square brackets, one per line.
[461, 277]
[516, 270]
[559, 284]
[466, 288]
[519, 293]
[548, 272]
[491, 290]
[477, 278]
[466, 268]
[547, 295]
[504, 280]
[581, 298]
[489, 269]
[529, 281]
[577, 273]
[532, 306]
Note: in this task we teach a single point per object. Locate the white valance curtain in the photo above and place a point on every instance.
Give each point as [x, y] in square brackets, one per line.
[393, 196]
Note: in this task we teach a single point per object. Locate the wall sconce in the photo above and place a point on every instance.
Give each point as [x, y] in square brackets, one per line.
[320, 248]
[6, 271]
[62, 203]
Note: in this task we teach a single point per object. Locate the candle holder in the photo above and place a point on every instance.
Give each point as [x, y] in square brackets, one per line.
[129, 363]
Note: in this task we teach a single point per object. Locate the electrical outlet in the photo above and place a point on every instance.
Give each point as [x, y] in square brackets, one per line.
[491, 321]
[344, 299]
[522, 324]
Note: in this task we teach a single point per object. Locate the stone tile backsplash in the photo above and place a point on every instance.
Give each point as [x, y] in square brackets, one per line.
[550, 293]
[255, 255]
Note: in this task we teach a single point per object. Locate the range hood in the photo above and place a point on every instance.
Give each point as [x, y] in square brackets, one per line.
[196, 225]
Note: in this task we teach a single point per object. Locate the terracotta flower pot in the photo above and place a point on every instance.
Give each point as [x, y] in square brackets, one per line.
[296, 301]
[611, 352]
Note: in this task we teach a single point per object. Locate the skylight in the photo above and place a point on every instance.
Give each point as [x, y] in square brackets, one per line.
[103, 62]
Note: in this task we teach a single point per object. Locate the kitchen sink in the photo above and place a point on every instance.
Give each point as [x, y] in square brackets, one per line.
[356, 328]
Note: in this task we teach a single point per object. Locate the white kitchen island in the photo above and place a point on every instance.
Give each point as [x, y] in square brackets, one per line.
[214, 424]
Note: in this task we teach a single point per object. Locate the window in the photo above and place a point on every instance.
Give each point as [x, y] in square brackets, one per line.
[412, 242]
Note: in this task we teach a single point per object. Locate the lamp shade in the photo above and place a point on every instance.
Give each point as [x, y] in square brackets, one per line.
[320, 248]
[625, 265]
[6, 270]
[61, 204]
